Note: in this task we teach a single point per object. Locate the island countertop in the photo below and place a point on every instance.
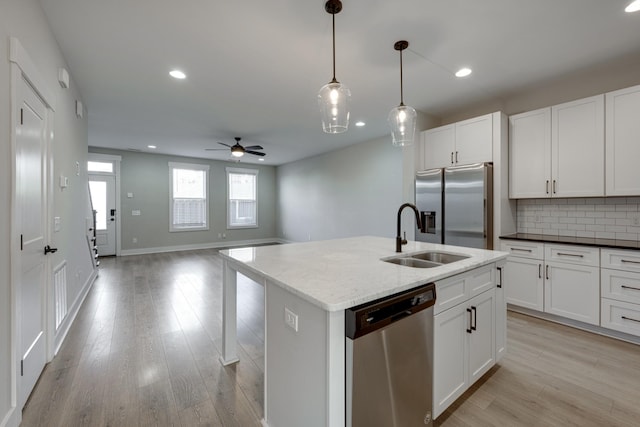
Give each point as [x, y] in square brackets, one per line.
[342, 273]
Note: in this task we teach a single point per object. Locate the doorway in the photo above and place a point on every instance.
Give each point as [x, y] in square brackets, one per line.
[104, 173]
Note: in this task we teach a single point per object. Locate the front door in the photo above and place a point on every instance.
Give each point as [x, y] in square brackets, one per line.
[103, 198]
[31, 149]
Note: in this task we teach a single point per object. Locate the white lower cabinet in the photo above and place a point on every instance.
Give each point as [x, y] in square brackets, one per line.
[572, 291]
[501, 312]
[620, 278]
[523, 274]
[464, 347]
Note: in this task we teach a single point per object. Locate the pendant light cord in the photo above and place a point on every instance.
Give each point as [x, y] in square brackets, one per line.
[333, 16]
[401, 88]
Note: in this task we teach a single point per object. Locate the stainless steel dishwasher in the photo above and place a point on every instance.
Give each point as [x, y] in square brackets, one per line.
[389, 360]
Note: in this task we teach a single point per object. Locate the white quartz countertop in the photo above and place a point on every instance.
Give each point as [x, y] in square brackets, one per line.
[342, 273]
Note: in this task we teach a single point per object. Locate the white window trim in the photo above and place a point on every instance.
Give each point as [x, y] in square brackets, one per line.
[193, 166]
[246, 172]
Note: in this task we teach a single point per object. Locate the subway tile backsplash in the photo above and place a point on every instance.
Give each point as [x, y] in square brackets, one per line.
[607, 218]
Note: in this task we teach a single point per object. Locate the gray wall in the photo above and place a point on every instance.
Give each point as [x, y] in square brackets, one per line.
[25, 20]
[349, 192]
[147, 177]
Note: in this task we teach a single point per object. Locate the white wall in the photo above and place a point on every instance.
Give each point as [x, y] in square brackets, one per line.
[25, 20]
[349, 192]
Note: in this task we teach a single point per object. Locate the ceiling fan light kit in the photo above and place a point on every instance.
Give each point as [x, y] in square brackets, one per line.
[334, 97]
[402, 118]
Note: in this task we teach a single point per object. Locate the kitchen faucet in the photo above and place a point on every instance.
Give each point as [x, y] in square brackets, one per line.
[399, 240]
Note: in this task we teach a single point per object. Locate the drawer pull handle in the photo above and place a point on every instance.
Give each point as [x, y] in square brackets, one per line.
[629, 261]
[629, 287]
[629, 318]
[573, 255]
[522, 250]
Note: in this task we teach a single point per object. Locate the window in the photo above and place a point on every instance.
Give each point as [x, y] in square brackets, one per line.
[242, 205]
[96, 166]
[189, 201]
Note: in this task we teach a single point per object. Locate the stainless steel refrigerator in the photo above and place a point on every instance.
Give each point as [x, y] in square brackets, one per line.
[456, 205]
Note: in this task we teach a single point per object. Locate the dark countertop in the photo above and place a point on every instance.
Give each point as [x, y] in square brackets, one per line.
[584, 241]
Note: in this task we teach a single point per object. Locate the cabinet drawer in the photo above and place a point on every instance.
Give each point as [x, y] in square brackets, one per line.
[621, 316]
[620, 285]
[581, 255]
[481, 279]
[620, 259]
[451, 292]
[523, 249]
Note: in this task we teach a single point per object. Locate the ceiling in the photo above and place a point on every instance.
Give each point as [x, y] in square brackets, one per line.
[254, 67]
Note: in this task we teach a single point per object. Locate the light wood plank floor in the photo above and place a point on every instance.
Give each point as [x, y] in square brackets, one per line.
[144, 351]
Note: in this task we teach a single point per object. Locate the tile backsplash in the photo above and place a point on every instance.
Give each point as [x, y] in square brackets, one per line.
[607, 218]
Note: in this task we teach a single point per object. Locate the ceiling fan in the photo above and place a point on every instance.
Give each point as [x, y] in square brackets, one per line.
[238, 150]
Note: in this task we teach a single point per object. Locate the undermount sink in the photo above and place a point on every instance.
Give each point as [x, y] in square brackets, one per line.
[428, 259]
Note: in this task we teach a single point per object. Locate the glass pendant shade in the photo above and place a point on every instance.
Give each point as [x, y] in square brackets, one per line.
[334, 99]
[402, 120]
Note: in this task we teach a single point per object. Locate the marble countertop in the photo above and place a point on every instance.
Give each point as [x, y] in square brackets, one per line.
[342, 273]
[584, 241]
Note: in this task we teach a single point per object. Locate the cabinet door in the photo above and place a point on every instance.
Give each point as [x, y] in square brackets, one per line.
[577, 143]
[530, 154]
[439, 149]
[474, 140]
[482, 340]
[501, 313]
[623, 142]
[524, 282]
[572, 291]
[450, 349]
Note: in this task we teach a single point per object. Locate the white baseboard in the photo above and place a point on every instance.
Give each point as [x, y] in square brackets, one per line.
[61, 334]
[196, 246]
[10, 419]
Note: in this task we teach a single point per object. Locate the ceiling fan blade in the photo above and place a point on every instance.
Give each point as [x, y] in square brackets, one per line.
[226, 145]
[255, 153]
[216, 149]
[254, 147]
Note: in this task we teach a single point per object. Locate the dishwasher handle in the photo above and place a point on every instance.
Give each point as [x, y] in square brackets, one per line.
[369, 317]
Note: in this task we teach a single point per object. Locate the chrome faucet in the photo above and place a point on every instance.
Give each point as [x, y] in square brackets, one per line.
[403, 241]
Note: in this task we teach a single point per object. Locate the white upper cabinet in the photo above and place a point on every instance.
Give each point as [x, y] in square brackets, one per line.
[577, 142]
[438, 146]
[461, 143]
[623, 142]
[530, 154]
[558, 151]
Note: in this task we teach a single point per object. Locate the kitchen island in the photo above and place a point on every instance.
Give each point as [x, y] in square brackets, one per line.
[307, 288]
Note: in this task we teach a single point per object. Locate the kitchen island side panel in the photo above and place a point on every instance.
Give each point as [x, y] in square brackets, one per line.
[304, 369]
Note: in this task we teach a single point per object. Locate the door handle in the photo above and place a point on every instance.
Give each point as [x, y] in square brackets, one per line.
[456, 157]
[49, 249]
[554, 186]
[475, 318]
[470, 320]
[547, 187]
[452, 157]
[547, 272]
[500, 276]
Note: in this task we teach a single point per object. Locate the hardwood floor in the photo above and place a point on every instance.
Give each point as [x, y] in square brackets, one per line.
[144, 351]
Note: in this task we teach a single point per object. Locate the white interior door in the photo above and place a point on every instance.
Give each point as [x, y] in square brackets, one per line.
[31, 149]
[103, 198]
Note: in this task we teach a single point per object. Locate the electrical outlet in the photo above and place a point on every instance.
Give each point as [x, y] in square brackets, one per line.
[134, 240]
[291, 319]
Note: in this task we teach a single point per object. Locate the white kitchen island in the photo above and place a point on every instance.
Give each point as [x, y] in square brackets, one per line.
[315, 282]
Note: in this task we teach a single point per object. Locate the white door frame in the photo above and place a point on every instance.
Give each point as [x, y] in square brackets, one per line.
[97, 157]
[23, 66]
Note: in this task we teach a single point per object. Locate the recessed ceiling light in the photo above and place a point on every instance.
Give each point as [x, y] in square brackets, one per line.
[152, 146]
[177, 74]
[261, 160]
[360, 123]
[463, 72]
[634, 6]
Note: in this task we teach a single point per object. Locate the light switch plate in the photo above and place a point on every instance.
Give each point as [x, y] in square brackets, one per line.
[135, 213]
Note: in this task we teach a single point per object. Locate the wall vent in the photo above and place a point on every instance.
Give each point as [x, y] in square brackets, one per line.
[60, 292]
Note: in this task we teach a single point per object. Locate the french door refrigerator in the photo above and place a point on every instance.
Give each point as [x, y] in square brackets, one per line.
[456, 205]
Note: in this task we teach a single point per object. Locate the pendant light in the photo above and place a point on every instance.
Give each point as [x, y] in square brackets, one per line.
[334, 97]
[402, 119]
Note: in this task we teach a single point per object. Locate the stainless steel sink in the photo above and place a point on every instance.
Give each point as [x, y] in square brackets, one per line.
[412, 262]
[428, 259]
[439, 257]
